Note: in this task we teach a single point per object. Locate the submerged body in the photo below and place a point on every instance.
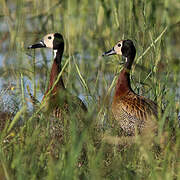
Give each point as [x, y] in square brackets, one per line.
[130, 110]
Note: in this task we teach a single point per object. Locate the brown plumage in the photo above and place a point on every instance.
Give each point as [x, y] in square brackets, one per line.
[129, 109]
[4, 118]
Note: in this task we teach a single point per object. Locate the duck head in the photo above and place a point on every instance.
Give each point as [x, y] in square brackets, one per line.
[125, 48]
[54, 41]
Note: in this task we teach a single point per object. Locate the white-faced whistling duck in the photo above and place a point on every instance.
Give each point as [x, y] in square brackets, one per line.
[129, 109]
[59, 96]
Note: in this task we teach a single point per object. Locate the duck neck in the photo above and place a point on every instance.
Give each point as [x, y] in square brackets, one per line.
[123, 85]
[129, 62]
[55, 70]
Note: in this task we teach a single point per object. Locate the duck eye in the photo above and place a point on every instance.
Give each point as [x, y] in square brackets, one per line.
[119, 45]
[49, 37]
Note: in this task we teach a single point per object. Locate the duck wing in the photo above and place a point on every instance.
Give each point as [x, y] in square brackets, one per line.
[138, 106]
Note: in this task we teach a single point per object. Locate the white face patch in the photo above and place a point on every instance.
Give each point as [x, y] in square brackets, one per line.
[48, 40]
[55, 52]
[118, 47]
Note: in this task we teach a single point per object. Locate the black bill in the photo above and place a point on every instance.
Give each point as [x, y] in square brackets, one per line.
[38, 45]
[110, 52]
